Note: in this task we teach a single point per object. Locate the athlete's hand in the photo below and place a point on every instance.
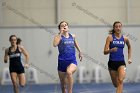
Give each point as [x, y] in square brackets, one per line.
[80, 56]
[61, 31]
[129, 61]
[114, 49]
[26, 65]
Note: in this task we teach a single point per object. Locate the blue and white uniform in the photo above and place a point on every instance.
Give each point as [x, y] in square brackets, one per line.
[116, 59]
[66, 56]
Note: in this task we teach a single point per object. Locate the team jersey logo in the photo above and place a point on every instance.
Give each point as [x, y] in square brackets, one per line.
[69, 42]
[118, 42]
[14, 55]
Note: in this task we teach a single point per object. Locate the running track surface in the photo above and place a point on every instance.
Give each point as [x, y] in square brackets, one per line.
[78, 88]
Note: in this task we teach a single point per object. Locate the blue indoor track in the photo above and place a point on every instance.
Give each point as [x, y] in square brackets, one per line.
[78, 88]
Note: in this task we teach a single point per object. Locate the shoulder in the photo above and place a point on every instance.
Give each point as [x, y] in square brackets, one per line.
[21, 48]
[109, 37]
[7, 49]
[125, 38]
[56, 35]
[73, 35]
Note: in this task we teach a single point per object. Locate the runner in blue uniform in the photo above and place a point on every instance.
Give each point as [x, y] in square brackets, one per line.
[13, 54]
[67, 63]
[115, 43]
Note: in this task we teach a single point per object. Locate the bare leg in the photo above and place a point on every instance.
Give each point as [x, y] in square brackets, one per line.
[70, 70]
[114, 77]
[121, 76]
[14, 81]
[22, 80]
[62, 77]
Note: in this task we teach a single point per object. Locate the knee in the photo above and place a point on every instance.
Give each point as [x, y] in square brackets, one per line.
[15, 84]
[120, 80]
[22, 85]
[63, 86]
[69, 73]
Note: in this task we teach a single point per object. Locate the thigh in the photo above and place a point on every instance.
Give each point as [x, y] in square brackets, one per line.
[22, 79]
[71, 68]
[113, 75]
[62, 76]
[121, 72]
[13, 77]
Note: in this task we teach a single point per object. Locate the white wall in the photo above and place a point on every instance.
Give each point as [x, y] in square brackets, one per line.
[91, 39]
[83, 12]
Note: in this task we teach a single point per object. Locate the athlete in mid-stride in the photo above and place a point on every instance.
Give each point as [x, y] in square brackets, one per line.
[67, 63]
[115, 43]
[13, 54]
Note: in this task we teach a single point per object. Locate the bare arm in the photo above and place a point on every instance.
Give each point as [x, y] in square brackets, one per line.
[107, 44]
[129, 49]
[24, 51]
[6, 57]
[56, 40]
[78, 48]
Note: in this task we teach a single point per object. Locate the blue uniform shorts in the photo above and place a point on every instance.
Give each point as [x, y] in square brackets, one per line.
[62, 65]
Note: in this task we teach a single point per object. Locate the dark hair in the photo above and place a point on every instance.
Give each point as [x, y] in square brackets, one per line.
[12, 36]
[113, 31]
[61, 23]
[18, 41]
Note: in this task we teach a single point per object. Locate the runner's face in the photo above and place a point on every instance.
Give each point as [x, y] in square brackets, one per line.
[13, 40]
[64, 27]
[118, 28]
